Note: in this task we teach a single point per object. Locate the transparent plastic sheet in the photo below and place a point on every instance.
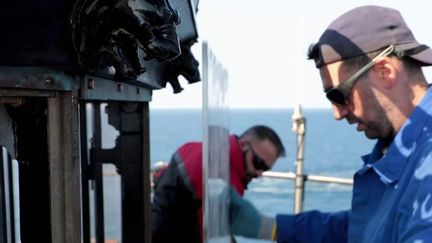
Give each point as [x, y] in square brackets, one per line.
[215, 148]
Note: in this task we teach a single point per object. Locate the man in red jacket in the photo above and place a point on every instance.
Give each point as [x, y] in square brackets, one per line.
[176, 208]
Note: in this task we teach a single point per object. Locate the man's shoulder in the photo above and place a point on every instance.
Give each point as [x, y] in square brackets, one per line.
[190, 147]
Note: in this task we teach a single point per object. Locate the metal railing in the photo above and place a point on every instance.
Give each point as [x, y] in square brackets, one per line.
[300, 180]
[299, 127]
[313, 178]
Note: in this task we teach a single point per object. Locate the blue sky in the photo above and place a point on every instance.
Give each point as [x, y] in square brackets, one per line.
[263, 45]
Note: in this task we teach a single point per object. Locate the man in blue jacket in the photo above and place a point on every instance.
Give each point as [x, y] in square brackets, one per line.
[371, 70]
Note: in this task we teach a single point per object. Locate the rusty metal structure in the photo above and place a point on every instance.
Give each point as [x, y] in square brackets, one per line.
[60, 62]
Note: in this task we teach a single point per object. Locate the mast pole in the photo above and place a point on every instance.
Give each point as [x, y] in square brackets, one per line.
[299, 127]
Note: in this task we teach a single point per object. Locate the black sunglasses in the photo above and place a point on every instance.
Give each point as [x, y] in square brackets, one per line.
[338, 95]
[257, 162]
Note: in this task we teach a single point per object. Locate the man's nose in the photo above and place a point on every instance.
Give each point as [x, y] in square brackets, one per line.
[339, 111]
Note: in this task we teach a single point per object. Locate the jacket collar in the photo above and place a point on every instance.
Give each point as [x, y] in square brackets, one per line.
[237, 164]
[389, 166]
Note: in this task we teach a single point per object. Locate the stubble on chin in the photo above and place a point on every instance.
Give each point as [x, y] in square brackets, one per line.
[249, 177]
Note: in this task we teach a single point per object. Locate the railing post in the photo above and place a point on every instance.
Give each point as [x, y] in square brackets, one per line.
[299, 127]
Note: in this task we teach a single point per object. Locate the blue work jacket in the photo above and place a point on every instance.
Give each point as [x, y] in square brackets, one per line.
[392, 194]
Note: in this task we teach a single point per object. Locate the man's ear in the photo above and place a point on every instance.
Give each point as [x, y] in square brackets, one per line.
[242, 143]
[386, 71]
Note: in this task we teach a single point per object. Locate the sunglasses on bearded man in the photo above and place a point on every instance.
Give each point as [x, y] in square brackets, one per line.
[257, 162]
[338, 95]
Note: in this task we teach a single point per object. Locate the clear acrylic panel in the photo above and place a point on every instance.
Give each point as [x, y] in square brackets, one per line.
[215, 148]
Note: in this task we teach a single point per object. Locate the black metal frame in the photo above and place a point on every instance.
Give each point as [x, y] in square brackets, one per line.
[49, 69]
[128, 113]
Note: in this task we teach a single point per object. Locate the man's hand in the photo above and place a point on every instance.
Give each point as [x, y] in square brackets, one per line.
[245, 220]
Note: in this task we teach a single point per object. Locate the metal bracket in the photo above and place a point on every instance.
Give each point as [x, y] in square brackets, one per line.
[95, 88]
[35, 78]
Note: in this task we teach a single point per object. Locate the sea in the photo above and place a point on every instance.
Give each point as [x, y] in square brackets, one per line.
[332, 148]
